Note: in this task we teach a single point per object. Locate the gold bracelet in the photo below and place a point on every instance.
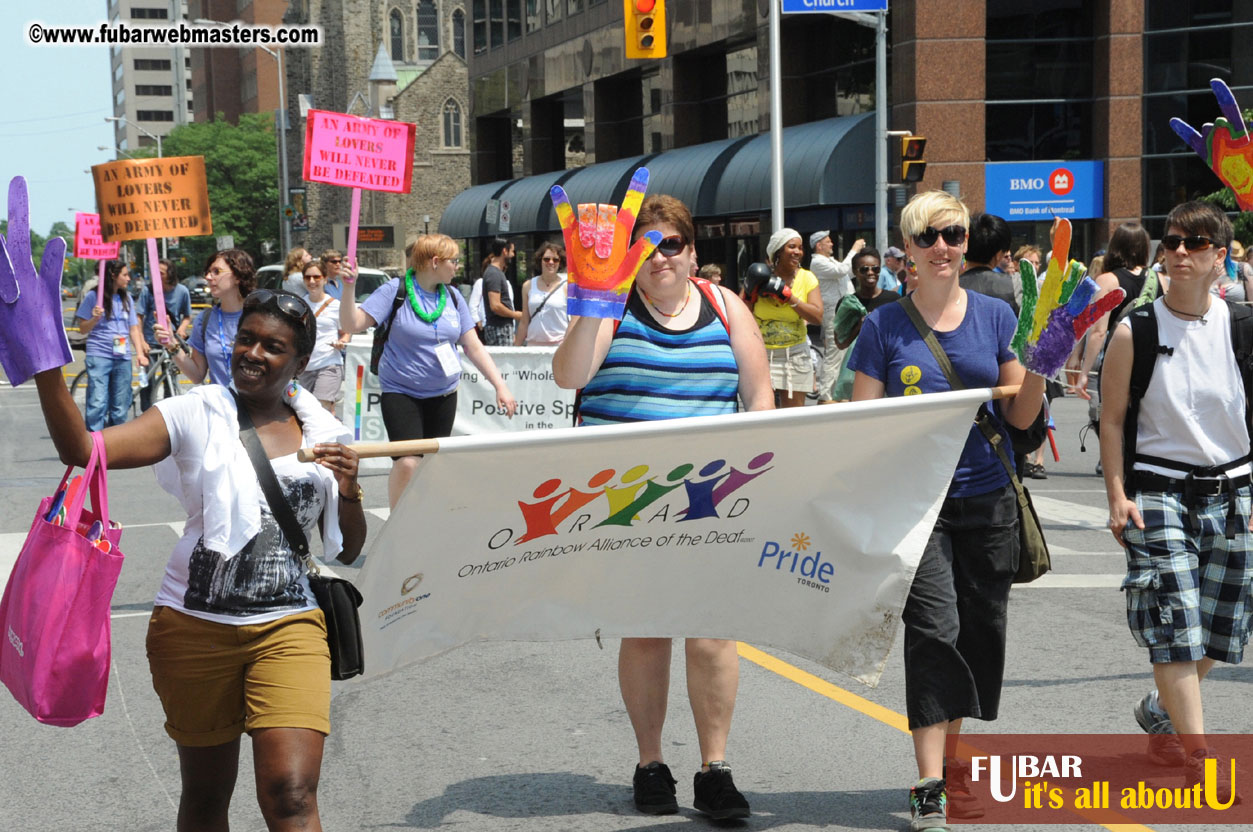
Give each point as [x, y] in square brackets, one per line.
[360, 495]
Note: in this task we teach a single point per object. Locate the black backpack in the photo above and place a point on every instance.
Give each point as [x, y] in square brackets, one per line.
[1146, 349]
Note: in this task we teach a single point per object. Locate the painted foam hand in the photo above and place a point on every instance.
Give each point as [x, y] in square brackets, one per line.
[32, 337]
[1225, 145]
[601, 266]
[1056, 315]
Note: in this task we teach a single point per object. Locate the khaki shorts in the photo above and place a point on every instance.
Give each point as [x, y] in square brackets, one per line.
[792, 368]
[216, 680]
[326, 384]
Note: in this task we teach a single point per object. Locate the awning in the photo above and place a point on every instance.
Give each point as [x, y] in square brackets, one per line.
[828, 162]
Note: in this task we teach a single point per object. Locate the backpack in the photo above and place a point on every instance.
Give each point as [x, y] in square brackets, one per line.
[711, 293]
[1146, 349]
[383, 330]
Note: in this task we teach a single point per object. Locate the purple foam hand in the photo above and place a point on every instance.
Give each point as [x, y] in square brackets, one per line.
[32, 336]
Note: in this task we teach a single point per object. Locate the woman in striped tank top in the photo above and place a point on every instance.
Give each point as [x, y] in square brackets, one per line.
[672, 356]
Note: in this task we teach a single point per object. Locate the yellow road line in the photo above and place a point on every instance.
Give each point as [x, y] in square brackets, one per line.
[862, 705]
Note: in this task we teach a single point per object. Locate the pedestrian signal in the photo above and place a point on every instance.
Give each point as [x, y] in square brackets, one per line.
[645, 23]
[913, 167]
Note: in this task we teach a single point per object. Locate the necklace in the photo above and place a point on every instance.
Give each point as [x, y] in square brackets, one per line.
[440, 291]
[676, 313]
[1200, 317]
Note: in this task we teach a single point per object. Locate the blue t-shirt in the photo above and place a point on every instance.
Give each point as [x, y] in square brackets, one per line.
[890, 349]
[333, 288]
[115, 323]
[177, 307]
[213, 333]
[409, 364]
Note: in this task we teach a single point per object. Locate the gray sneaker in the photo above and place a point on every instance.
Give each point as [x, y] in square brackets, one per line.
[928, 806]
[1165, 749]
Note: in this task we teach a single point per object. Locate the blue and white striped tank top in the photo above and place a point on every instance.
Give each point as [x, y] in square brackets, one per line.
[652, 373]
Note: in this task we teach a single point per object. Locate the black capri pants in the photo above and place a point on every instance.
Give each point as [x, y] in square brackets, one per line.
[955, 615]
[407, 417]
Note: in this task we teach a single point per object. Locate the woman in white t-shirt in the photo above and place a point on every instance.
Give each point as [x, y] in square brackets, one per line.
[236, 642]
[544, 320]
[324, 377]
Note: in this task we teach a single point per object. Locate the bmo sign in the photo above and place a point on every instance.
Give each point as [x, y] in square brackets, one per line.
[1042, 190]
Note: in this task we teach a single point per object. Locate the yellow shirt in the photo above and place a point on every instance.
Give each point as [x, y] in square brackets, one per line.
[781, 325]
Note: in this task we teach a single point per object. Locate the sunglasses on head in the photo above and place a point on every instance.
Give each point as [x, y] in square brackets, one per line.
[286, 303]
[671, 246]
[1193, 242]
[954, 235]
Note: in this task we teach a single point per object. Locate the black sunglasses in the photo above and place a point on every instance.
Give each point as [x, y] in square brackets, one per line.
[671, 246]
[867, 269]
[285, 302]
[954, 235]
[334, 260]
[1193, 242]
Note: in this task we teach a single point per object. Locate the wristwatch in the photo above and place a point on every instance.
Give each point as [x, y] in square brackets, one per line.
[356, 498]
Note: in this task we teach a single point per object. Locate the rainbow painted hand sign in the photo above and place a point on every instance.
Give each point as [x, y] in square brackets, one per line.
[601, 265]
[1056, 315]
[1224, 145]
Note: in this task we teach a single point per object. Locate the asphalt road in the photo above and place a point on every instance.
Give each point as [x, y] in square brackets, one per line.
[528, 736]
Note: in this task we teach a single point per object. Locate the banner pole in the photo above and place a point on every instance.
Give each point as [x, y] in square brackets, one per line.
[156, 284]
[369, 450]
[354, 220]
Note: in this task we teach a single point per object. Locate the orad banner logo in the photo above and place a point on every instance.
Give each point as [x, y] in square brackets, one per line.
[1061, 181]
[635, 496]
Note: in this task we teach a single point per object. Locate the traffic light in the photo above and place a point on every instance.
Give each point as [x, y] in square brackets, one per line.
[645, 23]
[912, 165]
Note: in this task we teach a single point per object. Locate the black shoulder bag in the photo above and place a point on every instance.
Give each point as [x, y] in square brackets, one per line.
[337, 598]
[1033, 551]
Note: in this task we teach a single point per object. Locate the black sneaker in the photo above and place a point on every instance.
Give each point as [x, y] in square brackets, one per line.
[654, 789]
[716, 794]
[928, 806]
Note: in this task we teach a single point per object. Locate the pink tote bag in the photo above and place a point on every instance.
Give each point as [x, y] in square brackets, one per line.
[54, 656]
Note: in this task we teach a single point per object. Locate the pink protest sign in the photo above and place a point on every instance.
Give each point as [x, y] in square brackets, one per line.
[88, 243]
[370, 153]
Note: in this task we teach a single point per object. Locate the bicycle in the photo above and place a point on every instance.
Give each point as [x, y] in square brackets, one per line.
[164, 379]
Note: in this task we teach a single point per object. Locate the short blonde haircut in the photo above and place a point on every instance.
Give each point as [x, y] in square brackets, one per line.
[924, 208]
[295, 261]
[429, 246]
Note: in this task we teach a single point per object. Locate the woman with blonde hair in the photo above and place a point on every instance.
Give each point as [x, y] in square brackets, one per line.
[419, 369]
[293, 269]
[955, 615]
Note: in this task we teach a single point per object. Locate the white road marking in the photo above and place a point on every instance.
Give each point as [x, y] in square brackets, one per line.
[1066, 513]
[1056, 581]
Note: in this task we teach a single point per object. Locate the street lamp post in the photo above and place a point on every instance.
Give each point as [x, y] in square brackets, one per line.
[160, 155]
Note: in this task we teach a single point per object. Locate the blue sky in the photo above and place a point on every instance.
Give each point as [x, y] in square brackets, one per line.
[53, 100]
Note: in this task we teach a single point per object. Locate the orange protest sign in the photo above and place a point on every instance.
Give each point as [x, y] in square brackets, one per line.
[141, 198]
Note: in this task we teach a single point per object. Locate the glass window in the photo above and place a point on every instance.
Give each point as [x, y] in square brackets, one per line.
[150, 63]
[1170, 180]
[498, 22]
[1041, 69]
[1031, 131]
[149, 14]
[1188, 60]
[574, 6]
[553, 10]
[459, 33]
[396, 30]
[1171, 14]
[742, 92]
[533, 19]
[1037, 19]
[154, 115]
[480, 26]
[452, 123]
[153, 89]
[514, 19]
[428, 31]
[1196, 108]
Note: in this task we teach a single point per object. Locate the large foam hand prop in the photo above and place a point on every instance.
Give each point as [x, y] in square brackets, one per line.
[32, 337]
[601, 260]
[1224, 145]
[1056, 316]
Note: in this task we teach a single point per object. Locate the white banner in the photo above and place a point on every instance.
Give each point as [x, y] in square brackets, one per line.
[527, 370]
[797, 529]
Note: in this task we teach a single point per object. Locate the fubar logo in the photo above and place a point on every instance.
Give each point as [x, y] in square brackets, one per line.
[621, 500]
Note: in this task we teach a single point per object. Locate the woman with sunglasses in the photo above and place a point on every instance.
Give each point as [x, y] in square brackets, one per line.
[419, 370]
[109, 320]
[1177, 480]
[235, 641]
[672, 341]
[231, 276]
[544, 320]
[955, 615]
[324, 377]
[782, 306]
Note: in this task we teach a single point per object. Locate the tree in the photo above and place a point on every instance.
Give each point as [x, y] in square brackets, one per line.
[241, 166]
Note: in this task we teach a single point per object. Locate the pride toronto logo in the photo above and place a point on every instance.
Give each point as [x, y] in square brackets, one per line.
[635, 497]
[810, 569]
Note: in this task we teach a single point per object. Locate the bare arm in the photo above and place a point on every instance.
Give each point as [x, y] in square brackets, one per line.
[351, 318]
[1095, 338]
[481, 358]
[86, 325]
[499, 309]
[140, 442]
[750, 354]
[141, 346]
[579, 356]
[1021, 410]
[866, 388]
[519, 337]
[1115, 393]
[810, 309]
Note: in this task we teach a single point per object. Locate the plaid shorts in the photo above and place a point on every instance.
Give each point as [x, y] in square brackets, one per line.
[500, 335]
[1188, 594]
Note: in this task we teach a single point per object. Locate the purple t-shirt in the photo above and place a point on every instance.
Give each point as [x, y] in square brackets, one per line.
[115, 323]
[409, 364]
[890, 349]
